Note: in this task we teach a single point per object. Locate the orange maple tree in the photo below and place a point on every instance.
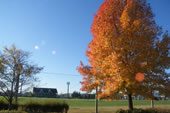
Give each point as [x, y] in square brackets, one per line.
[126, 41]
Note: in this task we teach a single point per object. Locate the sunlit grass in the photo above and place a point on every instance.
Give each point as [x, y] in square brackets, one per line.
[88, 105]
[91, 102]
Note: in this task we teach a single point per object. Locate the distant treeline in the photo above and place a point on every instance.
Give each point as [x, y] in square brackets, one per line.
[82, 96]
[75, 94]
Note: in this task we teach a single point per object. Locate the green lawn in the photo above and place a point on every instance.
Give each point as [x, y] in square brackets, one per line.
[88, 105]
[91, 102]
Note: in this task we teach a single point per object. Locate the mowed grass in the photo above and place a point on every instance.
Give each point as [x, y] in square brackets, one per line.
[91, 102]
[88, 105]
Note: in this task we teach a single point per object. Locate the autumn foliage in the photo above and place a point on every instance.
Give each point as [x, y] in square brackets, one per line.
[128, 52]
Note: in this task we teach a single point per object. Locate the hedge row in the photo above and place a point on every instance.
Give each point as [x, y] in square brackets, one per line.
[50, 107]
[37, 107]
[144, 111]
[6, 111]
[4, 106]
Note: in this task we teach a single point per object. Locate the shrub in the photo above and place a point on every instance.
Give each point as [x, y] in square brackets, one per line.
[47, 107]
[36, 107]
[31, 107]
[6, 111]
[4, 106]
[134, 111]
[161, 110]
[144, 111]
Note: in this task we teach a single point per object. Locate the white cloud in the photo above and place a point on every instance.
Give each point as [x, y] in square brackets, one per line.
[53, 52]
[36, 47]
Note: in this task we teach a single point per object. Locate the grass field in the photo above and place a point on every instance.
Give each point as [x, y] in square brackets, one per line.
[88, 105]
[91, 102]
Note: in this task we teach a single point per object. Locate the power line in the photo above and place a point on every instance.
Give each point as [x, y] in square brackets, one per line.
[65, 74]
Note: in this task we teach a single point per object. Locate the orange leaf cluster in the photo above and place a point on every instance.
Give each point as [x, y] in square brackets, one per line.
[124, 44]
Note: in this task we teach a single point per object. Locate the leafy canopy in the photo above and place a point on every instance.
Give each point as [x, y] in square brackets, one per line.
[126, 41]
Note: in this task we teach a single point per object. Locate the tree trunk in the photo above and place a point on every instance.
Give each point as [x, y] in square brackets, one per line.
[21, 90]
[152, 103]
[10, 98]
[96, 99]
[16, 89]
[130, 102]
[10, 103]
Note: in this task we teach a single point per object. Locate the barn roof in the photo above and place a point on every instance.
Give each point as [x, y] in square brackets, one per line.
[45, 90]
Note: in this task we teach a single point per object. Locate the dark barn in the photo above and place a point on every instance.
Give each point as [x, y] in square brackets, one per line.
[45, 92]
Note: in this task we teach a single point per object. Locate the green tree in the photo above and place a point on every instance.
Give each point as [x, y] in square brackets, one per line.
[76, 94]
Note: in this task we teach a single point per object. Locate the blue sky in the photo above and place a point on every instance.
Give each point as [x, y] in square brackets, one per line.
[57, 33]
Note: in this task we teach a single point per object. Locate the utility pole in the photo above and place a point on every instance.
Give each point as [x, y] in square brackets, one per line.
[68, 83]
